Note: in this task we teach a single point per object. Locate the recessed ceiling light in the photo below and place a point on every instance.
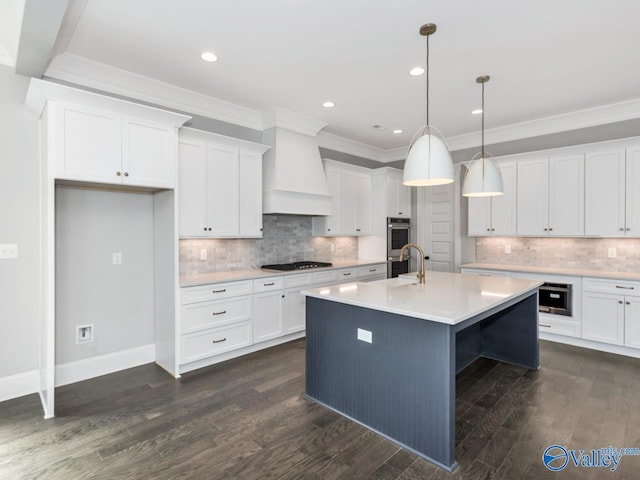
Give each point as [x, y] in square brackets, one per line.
[328, 104]
[209, 57]
[477, 111]
[397, 131]
[416, 71]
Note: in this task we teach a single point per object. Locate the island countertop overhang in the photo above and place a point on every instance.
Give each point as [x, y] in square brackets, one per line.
[449, 298]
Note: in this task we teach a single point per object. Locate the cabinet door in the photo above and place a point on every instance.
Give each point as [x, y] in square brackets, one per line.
[633, 192]
[632, 322]
[348, 198]
[603, 317]
[148, 154]
[605, 194]
[294, 311]
[267, 318]
[88, 144]
[393, 183]
[479, 216]
[404, 200]
[222, 191]
[250, 195]
[533, 197]
[503, 207]
[566, 196]
[363, 205]
[191, 190]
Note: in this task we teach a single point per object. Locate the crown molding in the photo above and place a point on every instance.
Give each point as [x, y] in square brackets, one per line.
[82, 71]
[352, 147]
[590, 117]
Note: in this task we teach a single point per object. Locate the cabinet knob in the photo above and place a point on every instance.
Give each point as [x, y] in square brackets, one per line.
[260, 229]
[205, 229]
[118, 173]
[328, 229]
[493, 229]
[628, 229]
[126, 174]
[209, 228]
[551, 229]
[628, 303]
[546, 229]
[399, 213]
[620, 302]
[357, 229]
[621, 229]
[488, 229]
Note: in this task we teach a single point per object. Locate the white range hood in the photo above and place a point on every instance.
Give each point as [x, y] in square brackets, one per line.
[293, 176]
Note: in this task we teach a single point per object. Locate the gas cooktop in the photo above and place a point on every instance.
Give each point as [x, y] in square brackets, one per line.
[285, 267]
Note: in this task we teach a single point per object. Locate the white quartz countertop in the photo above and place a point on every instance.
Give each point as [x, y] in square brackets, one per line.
[445, 297]
[575, 272]
[233, 275]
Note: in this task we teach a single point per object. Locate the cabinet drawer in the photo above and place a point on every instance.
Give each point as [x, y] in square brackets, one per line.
[346, 275]
[206, 343]
[214, 291]
[483, 273]
[372, 271]
[568, 328]
[326, 276]
[617, 287]
[198, 316]
[267, 284]
[298, 280]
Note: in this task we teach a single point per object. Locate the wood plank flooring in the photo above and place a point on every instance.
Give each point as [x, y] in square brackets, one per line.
[247, 419]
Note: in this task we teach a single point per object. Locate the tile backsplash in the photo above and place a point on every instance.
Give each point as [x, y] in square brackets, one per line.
[579, 253]
[286, 238]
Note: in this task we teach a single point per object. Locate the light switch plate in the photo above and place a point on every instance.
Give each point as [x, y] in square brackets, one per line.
[9, 250]
[612, 252]
[507, 249]
[365, 335]
[203, 254]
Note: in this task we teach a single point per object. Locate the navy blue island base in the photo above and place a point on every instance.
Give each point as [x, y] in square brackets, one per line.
[402, 384]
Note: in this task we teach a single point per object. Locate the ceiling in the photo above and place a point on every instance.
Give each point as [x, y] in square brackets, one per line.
[545, 58]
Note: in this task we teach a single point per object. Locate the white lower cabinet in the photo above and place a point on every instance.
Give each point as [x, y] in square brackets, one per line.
[267, 308]
[611, 311]
[219, 318]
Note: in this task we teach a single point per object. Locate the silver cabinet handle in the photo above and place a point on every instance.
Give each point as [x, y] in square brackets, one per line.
[219, 291]
[219, 313]
[545, 325]
[626, 288]
[269, 284]
[220, 341]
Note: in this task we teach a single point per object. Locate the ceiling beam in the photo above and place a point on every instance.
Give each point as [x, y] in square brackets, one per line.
[40, 26]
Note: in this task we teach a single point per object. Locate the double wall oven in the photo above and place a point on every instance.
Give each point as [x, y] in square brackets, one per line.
[398, 235]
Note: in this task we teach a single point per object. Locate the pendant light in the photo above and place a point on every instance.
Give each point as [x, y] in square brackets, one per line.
[483, 178]
[428, 160]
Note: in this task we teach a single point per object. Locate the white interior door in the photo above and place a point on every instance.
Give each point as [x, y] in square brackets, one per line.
[436, 226]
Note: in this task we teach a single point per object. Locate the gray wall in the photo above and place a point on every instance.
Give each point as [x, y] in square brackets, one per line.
[117, 299]
[19, 223]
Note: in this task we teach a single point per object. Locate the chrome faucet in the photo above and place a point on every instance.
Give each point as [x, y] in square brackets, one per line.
[417, 247]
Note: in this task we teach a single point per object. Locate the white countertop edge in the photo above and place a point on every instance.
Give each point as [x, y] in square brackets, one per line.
[238, 275]
[316, 293]
[575, 272]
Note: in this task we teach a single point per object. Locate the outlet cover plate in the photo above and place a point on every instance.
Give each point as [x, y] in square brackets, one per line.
[9, 250]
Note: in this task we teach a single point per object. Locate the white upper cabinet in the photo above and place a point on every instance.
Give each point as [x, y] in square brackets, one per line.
[605, 193]
[398, 195]
[551, 196]
[632, 227]
[495, 215]
[350, 189]
[220, 191]
[99, 139]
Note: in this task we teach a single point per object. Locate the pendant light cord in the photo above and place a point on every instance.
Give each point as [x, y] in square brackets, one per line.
[427, 105]
[483, 124]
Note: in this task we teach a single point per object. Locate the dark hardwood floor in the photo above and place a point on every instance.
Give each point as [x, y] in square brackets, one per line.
[246, 419]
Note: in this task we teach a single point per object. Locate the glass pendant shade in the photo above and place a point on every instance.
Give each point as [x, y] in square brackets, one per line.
[428, 161]
[483, 178]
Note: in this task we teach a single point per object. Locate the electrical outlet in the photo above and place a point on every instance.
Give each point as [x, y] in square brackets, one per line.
[9, 250]
[203, 254]
[507, 249]
[84, 334]
[117, 258]
[365, 335]
[332, 247]
[612, 252]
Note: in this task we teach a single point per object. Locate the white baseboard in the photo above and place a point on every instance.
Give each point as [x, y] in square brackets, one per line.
[579, 342]
[73, 372]
[27, 383]
[19, 385]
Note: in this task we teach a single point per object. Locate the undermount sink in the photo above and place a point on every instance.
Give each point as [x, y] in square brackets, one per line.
[398, 281]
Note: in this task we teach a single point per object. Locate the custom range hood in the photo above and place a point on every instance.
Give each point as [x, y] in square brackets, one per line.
[293, 176]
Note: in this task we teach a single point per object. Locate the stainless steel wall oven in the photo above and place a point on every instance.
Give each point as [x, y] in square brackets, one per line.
[398, 235]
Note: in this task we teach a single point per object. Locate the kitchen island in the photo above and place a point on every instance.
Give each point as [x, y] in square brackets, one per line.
[385, 354]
